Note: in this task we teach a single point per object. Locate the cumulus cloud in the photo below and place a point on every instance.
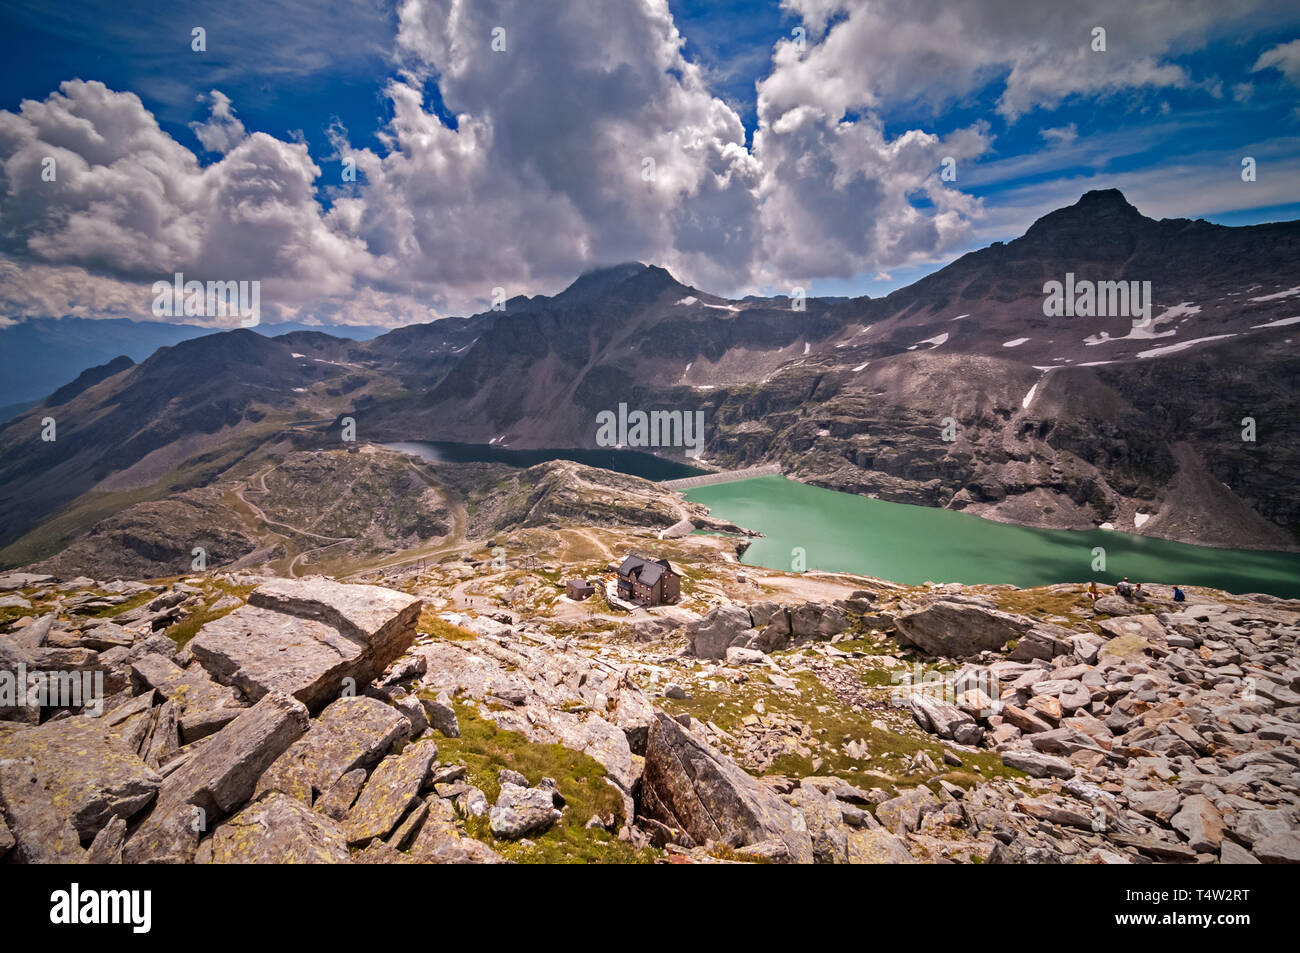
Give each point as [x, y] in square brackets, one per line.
[934, 52]
[582, 138]
[223, 130]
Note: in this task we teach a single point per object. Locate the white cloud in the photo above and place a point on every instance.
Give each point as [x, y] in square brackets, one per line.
[935, 52]
[223, 130]
[548, 169]
[1284, 57]
[1060, 135]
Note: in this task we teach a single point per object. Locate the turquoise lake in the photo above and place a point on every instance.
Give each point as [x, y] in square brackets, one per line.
[914, 544]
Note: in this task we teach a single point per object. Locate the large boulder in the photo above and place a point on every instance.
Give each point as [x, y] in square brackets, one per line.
[350, 733]
[521, 811]
[204, 705]
[392, 789]
[215, 778]
[279, 830]
[305, 637]
[690, 786]
[958, 629]
[86, 769]
[710, 636]
[943, 719]
[817, 621]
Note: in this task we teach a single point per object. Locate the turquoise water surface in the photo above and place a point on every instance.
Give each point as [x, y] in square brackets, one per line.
[914, 544]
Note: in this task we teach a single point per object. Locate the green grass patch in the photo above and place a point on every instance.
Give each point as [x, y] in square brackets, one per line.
[181, 632]
[486, 749]
[134, 602]
[431, 624]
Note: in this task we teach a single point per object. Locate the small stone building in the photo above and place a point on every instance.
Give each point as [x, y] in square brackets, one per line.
[648, 581]
[579, 589]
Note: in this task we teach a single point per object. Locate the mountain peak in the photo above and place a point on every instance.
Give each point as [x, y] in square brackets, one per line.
[1103, 222]
[599, 281]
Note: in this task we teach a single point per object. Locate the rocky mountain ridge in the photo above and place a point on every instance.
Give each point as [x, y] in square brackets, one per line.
[956, 391]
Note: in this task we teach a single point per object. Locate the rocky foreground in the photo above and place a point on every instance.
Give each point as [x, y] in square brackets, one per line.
[241, 719]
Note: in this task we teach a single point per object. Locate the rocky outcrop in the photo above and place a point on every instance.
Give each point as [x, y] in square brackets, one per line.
[215, 779]
[724, 625]
[315, 639]
[82, 766]
[691, 787]
[764, 627]
[350, 734]
[535, 688]
[958, 629]
[278, 830]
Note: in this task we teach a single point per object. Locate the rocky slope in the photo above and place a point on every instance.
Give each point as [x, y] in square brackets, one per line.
[247, 719]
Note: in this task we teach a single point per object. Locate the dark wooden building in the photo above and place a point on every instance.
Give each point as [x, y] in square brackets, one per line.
[648, 581]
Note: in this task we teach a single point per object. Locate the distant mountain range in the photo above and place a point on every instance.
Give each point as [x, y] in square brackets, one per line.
[42, 354]
[957, 391]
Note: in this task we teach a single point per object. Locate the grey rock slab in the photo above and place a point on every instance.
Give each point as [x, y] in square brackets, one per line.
[86, 768]
[217, 778]
[1038, 765]
[304, 637]
[41, 830]
[350, 733]
[279, 829]
[690, 786]
[390, 792]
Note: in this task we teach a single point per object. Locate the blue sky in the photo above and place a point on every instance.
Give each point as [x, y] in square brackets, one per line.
[846, 202]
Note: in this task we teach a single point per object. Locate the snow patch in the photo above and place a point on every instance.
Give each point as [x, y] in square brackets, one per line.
[960, 316]
[1181, 345]
[860, 367]
[934, 341]
[1107, 526]
[1278, 323]
[1184, 310]
[807, 346]
[1014, 342]
[689, 299]
[1281, 294]
[296, 354]
[1140, 519]
[1029, 398]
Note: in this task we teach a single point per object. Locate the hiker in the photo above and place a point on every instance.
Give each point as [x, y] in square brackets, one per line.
[1137, 593]
[1092, 590]
[1124, 588]
[1178, 595]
